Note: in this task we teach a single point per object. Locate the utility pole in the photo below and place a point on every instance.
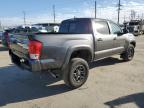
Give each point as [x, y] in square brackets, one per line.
[0, 25]
[54, 15]
[95, 9]
[24, 17]
[119, 8]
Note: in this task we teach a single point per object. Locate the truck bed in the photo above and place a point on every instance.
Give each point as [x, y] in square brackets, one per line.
[55, 48]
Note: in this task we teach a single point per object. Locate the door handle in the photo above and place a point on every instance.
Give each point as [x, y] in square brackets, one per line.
[100, 39]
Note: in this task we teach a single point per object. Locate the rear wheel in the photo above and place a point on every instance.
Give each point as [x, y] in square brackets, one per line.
[76, 74]
[15, 59]
[128, 54]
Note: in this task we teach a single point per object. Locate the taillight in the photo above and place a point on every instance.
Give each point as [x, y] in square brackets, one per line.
[35, 49]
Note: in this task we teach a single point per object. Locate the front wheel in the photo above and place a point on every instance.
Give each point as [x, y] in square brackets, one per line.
[128, 54]
[76, 73]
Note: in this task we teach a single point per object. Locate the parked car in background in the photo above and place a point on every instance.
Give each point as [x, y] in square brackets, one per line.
[79, 42]
[30, 29]
[6, 37]
[1, 34]
[38, 29]
[136, 27]
[50, 27]
[141, 26]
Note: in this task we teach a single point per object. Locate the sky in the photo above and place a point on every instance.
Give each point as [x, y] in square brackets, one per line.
[41, 11]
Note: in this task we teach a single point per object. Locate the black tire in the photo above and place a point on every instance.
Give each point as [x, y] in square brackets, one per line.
[15, 59]
[129, 53]
[76, 73]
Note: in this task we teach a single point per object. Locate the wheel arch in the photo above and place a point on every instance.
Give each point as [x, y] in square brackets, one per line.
[78, 51]
[133, 43]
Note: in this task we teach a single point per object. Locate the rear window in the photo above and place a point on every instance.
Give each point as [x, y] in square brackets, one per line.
[83, 26]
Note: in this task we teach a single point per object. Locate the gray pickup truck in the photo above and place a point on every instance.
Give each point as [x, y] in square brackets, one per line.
[78, 42]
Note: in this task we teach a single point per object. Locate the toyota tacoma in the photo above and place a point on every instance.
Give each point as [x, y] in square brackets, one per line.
[78, 42]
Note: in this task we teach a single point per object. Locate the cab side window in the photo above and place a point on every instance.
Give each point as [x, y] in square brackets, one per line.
[115, 28]
[64, 27]
[102, 27]
[72, 27]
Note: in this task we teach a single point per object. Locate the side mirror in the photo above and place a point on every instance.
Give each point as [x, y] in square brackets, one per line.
[120, 33]
[125, 30]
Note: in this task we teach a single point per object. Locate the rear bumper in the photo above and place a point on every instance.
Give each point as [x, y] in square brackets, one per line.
[34, 65]
[38, 65]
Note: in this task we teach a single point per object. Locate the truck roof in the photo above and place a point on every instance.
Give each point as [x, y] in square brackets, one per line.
[96, 19]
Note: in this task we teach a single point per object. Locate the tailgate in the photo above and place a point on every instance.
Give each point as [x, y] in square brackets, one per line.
[19, 45]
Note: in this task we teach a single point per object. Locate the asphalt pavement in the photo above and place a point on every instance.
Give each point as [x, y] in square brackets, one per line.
[112, 83]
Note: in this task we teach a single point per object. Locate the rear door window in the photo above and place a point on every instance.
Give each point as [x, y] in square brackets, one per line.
[72, 27]
[81, 27]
